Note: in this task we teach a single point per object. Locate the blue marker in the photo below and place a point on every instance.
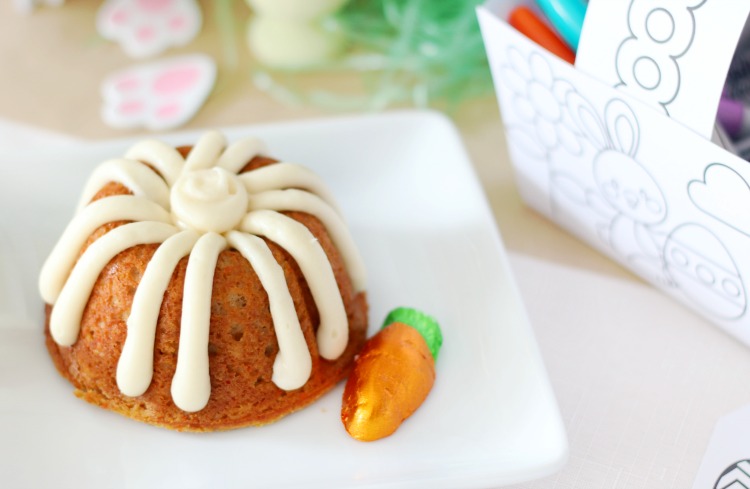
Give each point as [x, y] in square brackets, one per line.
[567, 18]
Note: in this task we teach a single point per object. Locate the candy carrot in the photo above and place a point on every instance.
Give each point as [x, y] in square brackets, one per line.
[392, 375]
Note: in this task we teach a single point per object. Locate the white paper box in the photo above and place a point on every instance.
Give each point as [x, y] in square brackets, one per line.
[623, 176]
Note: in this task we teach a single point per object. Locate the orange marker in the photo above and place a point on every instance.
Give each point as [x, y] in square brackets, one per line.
[525, 21]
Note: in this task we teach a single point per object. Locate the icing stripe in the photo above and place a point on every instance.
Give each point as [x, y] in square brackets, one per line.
[333, 332]
[287, 175]
[116, 208]
[65, 320]
[293, 365]
[137, 177]
[298, 200]
[191, 384]
[205, 152]
[238, 154]
[166, 159]
[135, 368]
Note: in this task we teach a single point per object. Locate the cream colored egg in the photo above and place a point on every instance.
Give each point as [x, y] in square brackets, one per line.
[296, 9]
[293, 44]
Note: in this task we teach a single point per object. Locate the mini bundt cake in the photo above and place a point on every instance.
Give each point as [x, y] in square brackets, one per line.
[204, 288]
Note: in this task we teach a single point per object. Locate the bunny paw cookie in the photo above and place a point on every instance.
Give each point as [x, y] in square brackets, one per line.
[147, 27]
[158, 95]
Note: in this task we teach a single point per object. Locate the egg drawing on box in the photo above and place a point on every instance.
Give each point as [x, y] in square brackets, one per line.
[704, 271]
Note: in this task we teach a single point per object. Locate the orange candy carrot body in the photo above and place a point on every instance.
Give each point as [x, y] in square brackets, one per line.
[527, 23]
[392, 377]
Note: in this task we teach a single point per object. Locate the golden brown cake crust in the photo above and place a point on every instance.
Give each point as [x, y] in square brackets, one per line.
[242, 342]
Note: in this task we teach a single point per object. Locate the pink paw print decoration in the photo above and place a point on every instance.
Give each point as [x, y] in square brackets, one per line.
[147, 27]
[159, 95]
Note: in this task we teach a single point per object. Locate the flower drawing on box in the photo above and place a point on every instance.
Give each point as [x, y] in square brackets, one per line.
[538, 102]
[647, 62]
[147, 27]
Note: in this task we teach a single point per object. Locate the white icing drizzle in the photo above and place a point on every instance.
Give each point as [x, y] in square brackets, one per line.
[140, 179]
[136, 365]
[205, 197]
[299, 200]
[116, 208]
[286, 175]
[191, 384]
[293, 364]
[205, 152]
[65, 320]
[209, 200]
[333, 333]
[167, 160]
[236, 156]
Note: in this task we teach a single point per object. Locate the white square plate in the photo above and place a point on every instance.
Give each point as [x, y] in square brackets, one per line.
[427, 235]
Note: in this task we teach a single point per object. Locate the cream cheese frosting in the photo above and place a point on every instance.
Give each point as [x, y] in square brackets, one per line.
[199, 206]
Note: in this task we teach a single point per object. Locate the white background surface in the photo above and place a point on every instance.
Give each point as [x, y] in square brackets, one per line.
[641, 380]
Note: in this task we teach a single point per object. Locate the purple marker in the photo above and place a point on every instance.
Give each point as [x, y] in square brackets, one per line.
[734, 117]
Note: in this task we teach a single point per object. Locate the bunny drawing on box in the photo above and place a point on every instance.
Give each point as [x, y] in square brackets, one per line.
[553, 121]
[632, 210]
[628, 201]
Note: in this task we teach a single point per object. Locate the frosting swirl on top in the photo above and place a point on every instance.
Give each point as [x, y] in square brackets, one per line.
[210, 208]
[208, 200]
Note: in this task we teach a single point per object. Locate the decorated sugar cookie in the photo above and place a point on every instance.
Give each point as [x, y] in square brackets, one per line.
[159, 95]
[147, 27]
[392, 375]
